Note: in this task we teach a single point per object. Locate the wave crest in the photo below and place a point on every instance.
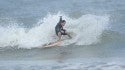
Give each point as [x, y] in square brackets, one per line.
[85, 30]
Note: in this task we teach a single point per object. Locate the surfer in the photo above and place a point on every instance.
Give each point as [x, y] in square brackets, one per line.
[59, 29]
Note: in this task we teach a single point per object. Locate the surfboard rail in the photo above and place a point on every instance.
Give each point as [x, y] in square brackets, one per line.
[58, 43]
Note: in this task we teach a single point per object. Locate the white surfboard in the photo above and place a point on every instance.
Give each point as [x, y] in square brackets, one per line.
[58, 43]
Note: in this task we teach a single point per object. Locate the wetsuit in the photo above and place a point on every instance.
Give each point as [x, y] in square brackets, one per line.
[59, 28]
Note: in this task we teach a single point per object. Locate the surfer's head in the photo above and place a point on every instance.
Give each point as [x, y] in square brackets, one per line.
[63, 22]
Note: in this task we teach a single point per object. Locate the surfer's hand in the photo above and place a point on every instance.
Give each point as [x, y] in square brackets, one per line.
[62, 31]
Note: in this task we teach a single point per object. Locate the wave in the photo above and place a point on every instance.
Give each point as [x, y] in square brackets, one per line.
[85, 30]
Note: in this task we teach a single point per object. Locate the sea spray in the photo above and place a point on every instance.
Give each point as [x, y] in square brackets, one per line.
[85, 30]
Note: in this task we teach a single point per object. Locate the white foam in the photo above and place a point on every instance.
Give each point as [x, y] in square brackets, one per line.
[86, 30]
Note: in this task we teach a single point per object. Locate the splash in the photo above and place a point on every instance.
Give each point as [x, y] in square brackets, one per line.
[85, 30]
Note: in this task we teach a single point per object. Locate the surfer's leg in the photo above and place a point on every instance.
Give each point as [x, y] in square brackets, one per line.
[65, 33]
[68, 35]
[59, 35]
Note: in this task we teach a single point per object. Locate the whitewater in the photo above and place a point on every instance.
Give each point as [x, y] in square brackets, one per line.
[84, 31]
[96, 26]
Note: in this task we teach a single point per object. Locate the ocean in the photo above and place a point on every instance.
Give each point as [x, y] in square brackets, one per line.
[97, 28]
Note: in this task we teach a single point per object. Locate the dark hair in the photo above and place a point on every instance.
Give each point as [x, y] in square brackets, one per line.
[63, 21]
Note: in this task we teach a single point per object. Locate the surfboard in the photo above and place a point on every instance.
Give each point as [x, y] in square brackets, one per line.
[53, 44]
[58, 43]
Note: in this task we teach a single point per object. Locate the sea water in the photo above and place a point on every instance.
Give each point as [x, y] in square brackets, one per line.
[97, 28]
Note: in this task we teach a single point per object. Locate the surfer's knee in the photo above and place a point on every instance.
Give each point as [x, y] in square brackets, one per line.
[59, 33]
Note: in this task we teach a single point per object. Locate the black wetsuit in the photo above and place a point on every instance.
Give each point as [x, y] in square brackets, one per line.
[59, 28]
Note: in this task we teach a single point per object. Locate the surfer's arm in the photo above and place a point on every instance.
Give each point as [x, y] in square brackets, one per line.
[60, 20]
